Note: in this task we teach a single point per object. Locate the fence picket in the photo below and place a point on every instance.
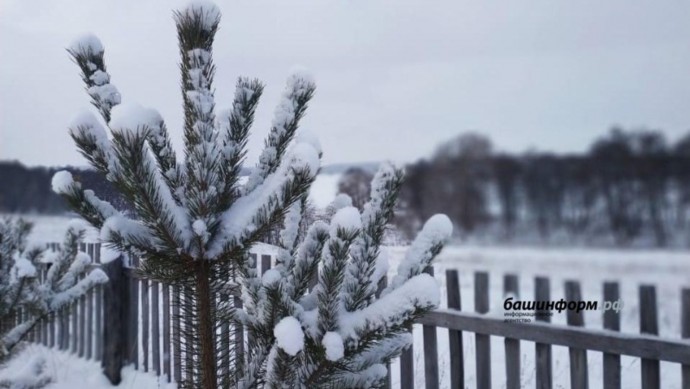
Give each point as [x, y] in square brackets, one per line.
[99, 309]
[578, 357]
[239, 339]
[685, 328]
[166, 331]
[89, 310]
[145, 325]
[155, 329]
[430, 350]
[612, 321]
[82, 316]
[176, 334]
[483, 342]
[542, 292]
[133, 324]
[457, 367]
[649, 325]
[511, 287]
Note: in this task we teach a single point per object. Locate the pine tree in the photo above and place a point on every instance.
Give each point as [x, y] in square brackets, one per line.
[194, 223]
[21, 289]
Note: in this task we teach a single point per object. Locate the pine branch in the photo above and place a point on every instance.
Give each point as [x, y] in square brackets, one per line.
[298, 91]
[360, 287]
[87, 52]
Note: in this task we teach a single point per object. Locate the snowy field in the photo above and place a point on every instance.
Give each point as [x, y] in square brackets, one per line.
[668, 270]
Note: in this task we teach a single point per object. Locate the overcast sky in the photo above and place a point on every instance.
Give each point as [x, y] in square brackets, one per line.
[394, 78]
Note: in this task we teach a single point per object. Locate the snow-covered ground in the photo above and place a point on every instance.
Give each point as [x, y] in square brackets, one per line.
[68, 371]
[668, 270]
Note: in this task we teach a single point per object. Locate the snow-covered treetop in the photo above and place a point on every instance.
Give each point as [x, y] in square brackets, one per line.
[206, 12]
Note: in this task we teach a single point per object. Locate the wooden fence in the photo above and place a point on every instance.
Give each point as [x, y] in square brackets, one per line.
[154, 328]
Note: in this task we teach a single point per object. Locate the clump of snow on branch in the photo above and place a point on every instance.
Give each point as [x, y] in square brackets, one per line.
[134, 118]
[333, 343]
[61, 182]
[87, 43]
[208, 13]
[289, 335]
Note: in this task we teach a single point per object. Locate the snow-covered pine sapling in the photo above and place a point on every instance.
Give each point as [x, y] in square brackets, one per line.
[193, 222]
[21, 289]
[343, 332]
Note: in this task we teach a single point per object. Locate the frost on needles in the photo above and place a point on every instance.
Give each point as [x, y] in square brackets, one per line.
[193, 224]
[23, 290]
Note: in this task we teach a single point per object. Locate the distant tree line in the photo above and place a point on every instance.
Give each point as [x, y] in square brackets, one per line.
[27, 189]
[630, 188]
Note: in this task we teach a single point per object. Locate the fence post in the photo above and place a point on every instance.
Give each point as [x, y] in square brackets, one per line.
[578, 357]
[685, 328]
[511, 287]
[457, 368]
[483, 342]
[115, 320]
[430, 350]
[542, 292]
[649, 325]
[612, 321]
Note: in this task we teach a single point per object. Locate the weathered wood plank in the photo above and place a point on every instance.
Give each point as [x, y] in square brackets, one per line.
[99, 310]
[265, 263]
[612, 321]
[189, 337]
[457, 366]
[176, 334]
[651, 378]
[81, 346]
[430, 350]
[239, 339]
[74, 329]
[578, 356]
[90, 309]
[145, 327]
[115, 323]
[511, 287]
[685, 331]
[407, 368]
[224, 352]
[155, 329]
[542, 292]
[642, 346]
[133, 316]
[482, 341]
[166, 331]
[254, 263]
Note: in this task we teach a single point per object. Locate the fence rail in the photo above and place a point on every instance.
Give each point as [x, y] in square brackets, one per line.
[155, 324]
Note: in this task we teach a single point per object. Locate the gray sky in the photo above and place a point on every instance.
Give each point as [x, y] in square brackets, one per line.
[394, 78]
